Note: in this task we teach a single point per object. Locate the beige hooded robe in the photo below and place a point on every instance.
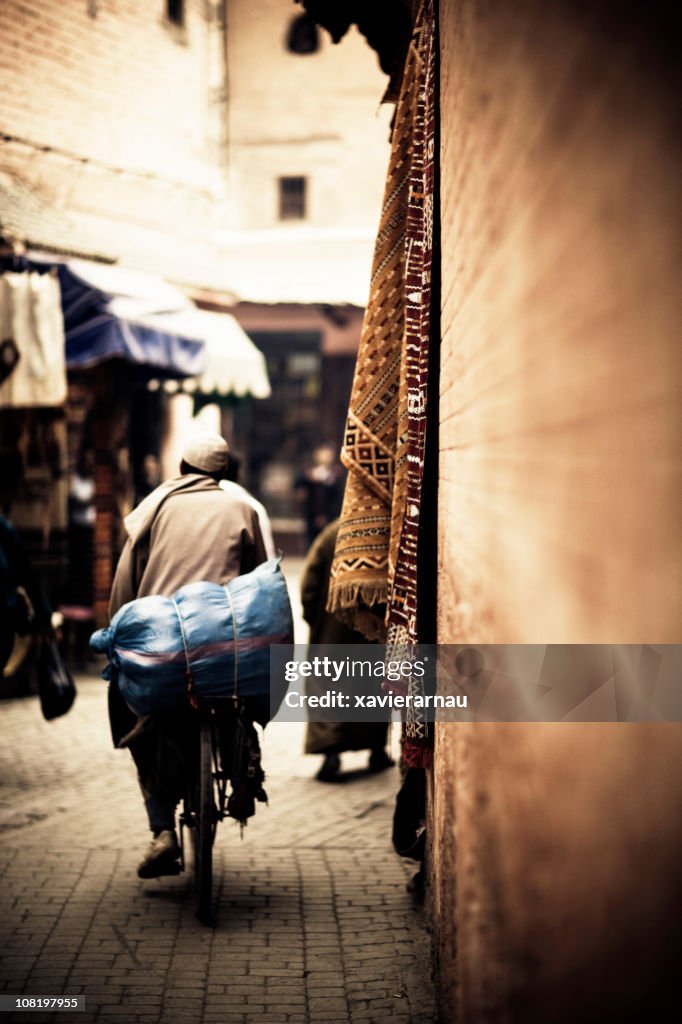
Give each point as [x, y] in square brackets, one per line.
[188, 529]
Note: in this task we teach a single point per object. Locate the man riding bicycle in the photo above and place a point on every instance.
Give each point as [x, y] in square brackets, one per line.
[188, 529]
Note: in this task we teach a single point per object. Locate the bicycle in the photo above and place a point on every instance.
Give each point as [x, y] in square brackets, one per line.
[227, 750]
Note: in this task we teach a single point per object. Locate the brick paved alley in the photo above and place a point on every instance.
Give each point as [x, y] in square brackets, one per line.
[314, 922]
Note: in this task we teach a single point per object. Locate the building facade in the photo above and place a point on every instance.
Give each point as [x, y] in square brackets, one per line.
[556, 845]
[112, 132]
[229, 148]
[112, 150]
[307, 149]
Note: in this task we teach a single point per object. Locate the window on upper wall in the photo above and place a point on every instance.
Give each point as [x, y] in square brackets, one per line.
[292, 198]
[302, 35]
[175, 11]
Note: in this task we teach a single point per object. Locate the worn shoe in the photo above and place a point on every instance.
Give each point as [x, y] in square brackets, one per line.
[379, 761]
[162, 857]
[331, 766]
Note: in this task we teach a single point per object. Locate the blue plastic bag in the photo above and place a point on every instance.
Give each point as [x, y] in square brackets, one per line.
[207, 640]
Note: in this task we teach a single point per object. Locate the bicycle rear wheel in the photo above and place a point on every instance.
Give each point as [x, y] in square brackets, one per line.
[205, 824]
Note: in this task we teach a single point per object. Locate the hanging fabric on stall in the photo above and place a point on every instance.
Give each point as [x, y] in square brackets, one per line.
[374, 581]
[31, 322]
[374, 585]
[405, 554]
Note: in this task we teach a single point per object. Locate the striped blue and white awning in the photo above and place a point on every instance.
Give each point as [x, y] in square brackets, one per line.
[110, 312]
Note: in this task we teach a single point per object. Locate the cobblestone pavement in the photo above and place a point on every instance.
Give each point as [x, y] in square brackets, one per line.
[314, 923]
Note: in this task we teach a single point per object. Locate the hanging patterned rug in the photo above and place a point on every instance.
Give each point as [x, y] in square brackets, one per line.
[374, 575]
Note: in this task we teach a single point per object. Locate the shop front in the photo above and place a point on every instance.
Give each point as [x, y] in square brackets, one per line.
[85, 428]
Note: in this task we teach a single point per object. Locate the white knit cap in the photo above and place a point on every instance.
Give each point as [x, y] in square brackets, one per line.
[207, 452]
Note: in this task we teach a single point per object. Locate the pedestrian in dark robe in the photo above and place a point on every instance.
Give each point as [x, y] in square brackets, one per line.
[319, 490]
[329, 738]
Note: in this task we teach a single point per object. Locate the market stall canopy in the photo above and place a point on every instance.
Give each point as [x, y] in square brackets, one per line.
[234, 366]
[110, 312]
